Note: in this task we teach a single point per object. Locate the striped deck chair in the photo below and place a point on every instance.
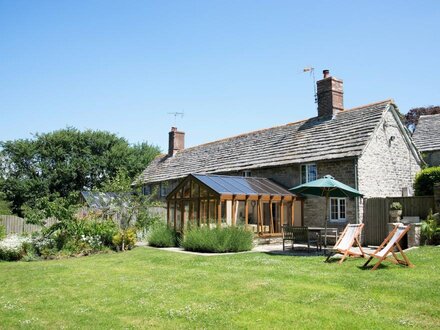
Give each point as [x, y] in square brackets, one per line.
[388, 246]
[348, 238]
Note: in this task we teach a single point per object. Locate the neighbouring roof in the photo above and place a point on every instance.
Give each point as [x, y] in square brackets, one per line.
[427, 134]
[345, 135]
[238, 185]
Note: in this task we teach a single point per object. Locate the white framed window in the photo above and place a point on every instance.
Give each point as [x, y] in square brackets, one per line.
[247, 174]
[338, 209]
[309, 172]
[163, 189]
[146, 190]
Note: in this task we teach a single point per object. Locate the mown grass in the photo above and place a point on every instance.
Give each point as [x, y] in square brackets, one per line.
[150, 288]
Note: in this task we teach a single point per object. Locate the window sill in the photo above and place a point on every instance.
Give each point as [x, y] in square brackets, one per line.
[338, 221]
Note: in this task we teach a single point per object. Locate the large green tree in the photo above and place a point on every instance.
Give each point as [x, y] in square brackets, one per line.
[66, 161]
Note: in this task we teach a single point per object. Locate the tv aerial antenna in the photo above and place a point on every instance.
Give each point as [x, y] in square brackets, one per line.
[312, 74]
[176, 114]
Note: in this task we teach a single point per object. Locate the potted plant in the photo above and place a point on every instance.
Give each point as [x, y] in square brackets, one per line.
[395, 210]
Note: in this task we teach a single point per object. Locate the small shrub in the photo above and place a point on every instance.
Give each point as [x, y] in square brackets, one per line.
[30, 253]
[431, 229]
[102, 230]
[125, 239]
[145, 221]
[161, 235]
[395, 206]
[2, 232]
[218, 240]
[13, 247]
[94, 242]
[45, 246]
[425, 179]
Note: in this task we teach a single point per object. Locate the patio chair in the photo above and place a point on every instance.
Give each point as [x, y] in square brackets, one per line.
[347, 239]
[388, 246]
[300, 235]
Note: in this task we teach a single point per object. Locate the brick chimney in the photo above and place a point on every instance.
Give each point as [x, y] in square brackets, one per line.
[330, 95]
[176, 141]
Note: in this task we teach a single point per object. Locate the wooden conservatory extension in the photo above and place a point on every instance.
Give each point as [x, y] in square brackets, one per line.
[218, 200]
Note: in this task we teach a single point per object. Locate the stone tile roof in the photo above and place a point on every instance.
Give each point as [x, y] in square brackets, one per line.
[309, 140]
[427, 134]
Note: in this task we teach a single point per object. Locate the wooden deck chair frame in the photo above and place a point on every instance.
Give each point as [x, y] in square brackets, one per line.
[354, 240]
[390, 249]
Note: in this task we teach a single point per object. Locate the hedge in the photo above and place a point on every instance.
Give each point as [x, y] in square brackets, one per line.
[425, 180]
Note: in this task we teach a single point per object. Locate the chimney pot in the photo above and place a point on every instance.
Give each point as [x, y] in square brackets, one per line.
[326, 73]
[176, 141]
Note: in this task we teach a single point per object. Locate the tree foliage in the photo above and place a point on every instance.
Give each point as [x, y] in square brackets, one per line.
[413, 115]
[5, 206]
[64, 209]
[120, 183]
[66, 161]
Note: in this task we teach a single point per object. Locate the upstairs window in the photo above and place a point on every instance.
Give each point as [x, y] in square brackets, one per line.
[247, 174]
[309, 172]
[338, 209]
[146, 190]
[163, 189]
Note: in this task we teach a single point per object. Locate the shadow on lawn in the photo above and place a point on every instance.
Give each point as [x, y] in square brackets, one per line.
[296, 253]
[369, 267]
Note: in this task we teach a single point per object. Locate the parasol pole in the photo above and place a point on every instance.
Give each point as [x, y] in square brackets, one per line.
[326, 218]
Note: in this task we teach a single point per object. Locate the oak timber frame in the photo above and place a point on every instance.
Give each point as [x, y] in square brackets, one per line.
[192, 202]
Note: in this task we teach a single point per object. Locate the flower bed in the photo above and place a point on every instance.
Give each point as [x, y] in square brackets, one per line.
[13, 247]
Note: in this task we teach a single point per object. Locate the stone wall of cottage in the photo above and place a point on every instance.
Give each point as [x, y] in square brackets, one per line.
[387, 164]
[343, 171]
[155, 189]
[314, 207]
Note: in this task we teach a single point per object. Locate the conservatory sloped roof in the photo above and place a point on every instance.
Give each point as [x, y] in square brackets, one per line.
[238, 185]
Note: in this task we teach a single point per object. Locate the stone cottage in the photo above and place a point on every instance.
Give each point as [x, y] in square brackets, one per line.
[366, 147]
[427, 138]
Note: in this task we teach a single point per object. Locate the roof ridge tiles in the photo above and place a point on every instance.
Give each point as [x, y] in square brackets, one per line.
[391, 101]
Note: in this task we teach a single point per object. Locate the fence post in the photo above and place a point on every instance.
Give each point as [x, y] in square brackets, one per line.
[437, 197]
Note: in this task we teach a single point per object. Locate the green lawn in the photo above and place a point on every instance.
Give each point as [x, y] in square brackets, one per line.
[147, 288]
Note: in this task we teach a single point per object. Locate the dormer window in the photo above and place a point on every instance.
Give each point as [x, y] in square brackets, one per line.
[309, 172]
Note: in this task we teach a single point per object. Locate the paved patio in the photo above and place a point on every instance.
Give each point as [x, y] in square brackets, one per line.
[276, 249]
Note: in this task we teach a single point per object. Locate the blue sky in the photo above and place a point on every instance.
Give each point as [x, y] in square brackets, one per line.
[231, 66]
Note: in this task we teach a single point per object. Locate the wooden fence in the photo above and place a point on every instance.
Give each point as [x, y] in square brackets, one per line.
[17, 225]
[376, 214]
